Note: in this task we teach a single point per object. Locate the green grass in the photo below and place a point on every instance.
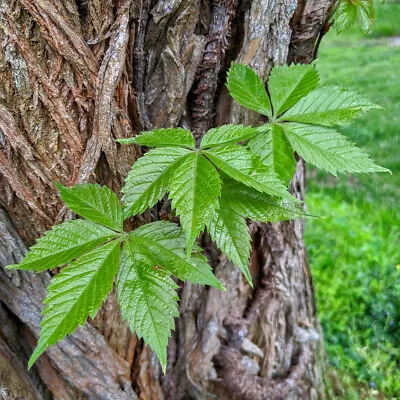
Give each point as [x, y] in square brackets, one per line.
[355, 250]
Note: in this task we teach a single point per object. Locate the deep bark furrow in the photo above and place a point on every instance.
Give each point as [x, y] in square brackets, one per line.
[202, 97]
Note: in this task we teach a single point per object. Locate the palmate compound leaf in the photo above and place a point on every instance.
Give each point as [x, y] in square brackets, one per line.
[76, 293]
[148, 179]
[148, 300]
[163, 245]
[275, 151]
[247, 89]
[243, 166]
[229, 231]
[327, 106]
[95, 203]
[328, 149]
[168, 137]
[63, 243]
[288, 84]
[194, 190]
[227, 134]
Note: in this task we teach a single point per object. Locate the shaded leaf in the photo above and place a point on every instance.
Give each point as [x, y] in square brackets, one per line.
[275, 151]
[160, 244]
[258, 206]
[345, 15]
[243, 166]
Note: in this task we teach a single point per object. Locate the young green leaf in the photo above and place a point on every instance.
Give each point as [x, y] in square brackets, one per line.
[227, 134]
[258, 206]
[148, 179]
[94, 202]
[77, 293]
[243, 166]
[367, 14]
[230, 233]
[168, 137]
[327, 106]
[288, 84]
[328, 149]
[159, 243]
[64, 243]
[347, 11]
[275, 151]
[194, 190]
[345, 15]
[148, 301]
[247, 89]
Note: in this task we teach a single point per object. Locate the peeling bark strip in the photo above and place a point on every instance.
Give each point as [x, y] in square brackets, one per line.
[74, 75]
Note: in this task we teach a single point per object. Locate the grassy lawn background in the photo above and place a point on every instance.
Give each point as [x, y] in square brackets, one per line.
[355, 249]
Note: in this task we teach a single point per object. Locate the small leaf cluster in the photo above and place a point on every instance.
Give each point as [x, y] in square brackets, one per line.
[235, 174]
[95, 251]
[348, 11]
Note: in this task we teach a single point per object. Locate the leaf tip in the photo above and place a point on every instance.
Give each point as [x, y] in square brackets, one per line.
[125, 141]
[59, 186]
[35, 355]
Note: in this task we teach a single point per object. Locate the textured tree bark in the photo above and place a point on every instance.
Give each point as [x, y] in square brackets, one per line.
[74, 75]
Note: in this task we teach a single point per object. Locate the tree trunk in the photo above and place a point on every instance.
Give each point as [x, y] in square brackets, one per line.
[74, 75]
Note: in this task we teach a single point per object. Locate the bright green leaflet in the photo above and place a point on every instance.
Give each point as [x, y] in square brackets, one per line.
[194, 190]
[95, 203]
[328, 149]
[275, 151]
[230, 233]
[148, 300]
[247, 89]
[63, 243]
[227, 134]
[148, 179]
[287, 85]
[328, 106]
[77, 293]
